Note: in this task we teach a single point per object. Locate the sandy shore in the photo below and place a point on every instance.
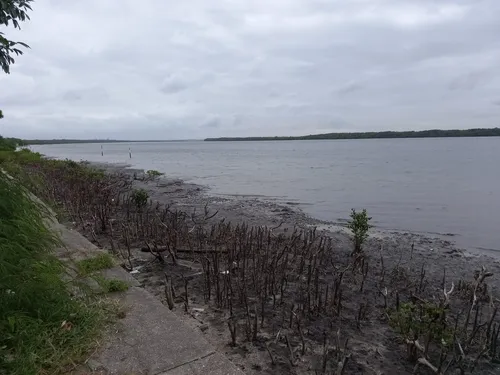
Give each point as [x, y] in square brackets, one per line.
[376, 350]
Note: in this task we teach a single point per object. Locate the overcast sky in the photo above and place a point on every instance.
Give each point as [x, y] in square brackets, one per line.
[156, 69]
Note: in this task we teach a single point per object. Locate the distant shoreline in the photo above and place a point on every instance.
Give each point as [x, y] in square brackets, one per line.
[31, 142]
[435, 133]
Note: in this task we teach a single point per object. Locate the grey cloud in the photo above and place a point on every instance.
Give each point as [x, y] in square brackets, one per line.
[203, 68]
[471, 80]
[349, 88]
[172, 85]
[211, 123]
[72, 96]
[85, 94]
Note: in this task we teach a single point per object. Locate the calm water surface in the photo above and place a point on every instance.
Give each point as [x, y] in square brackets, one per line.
[443, 186]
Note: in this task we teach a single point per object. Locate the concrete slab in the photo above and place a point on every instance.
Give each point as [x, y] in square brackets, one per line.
[75, 246]
[214, 364]
[150, 339]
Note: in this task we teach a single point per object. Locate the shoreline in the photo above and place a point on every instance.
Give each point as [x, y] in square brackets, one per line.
[262, 210]
[405, 203]
[406, 265]
[404, 252]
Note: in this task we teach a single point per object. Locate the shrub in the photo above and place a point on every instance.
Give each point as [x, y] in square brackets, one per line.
[140, 198]
[425, 323]
[22, 156]
[153, 174]
[359, 225]
[414, 320]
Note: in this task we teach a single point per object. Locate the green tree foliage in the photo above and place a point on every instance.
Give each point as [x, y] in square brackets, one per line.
[12, 12]
[10, 144]
[7, 144]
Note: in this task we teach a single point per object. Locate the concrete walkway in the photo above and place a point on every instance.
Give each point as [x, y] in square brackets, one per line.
[150, 339]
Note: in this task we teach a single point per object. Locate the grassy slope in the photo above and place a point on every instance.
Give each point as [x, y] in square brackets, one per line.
[43, 328]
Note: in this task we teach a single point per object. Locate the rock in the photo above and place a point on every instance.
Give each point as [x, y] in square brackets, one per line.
[94, 365]
[204, 327]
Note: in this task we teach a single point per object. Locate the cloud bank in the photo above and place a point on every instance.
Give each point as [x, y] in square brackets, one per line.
[169, 70]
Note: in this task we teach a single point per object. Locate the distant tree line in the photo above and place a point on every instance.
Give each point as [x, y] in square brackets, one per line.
[70, 141]
[435, 133]
[66, 141]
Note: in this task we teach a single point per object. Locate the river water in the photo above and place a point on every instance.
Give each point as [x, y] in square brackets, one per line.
[446, 186]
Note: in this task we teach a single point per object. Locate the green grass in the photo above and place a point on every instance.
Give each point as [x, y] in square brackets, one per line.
[102, 261]
[114, 285]
[43, 327]
[110, 285]
[97, 263]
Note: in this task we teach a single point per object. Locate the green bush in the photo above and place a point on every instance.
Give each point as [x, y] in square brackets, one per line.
[153, 174]
[425, 322]
[7, 144]
[359, 225]
[140, 198]
[24, 155]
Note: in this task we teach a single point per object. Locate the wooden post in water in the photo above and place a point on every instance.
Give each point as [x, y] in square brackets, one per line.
[102, 152]
[129, 153]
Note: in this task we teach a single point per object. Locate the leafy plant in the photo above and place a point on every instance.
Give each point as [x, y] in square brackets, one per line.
[413, 321]
[359, 225]
[11, 11]
[140, 198]
[153, 174]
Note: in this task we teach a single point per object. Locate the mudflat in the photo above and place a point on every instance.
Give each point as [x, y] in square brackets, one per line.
[279, 292]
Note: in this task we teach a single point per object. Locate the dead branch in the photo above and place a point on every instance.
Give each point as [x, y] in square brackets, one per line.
[168, 292]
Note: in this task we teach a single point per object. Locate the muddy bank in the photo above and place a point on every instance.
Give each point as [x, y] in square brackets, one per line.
[259, 211]
[401, 265]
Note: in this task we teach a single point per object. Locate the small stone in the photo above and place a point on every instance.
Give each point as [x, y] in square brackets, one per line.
[204, 327]
[94, 365]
